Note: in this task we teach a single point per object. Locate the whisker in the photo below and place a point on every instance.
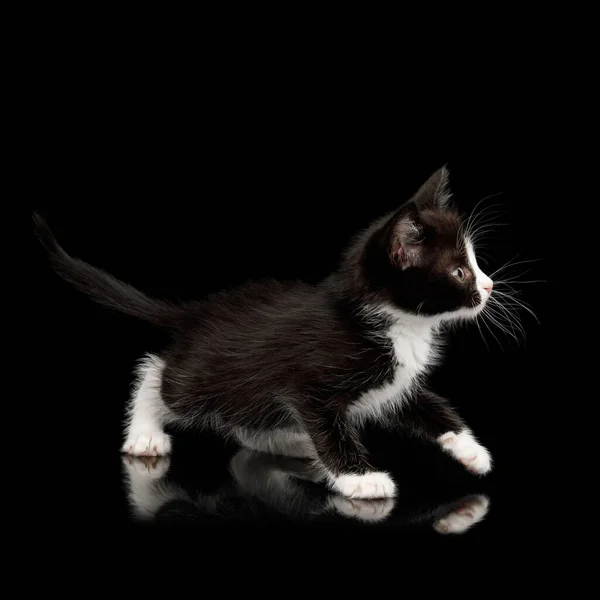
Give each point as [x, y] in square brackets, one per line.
[507, 281]
[484, 228]
[488, 207]
[509, 290]
[479, 221]
[505, 315]
[474, 226]
[503, 328]
[491, 309]
[471, 221]
[490, 330]
[475, 237]
[481, 332]
[512, 264]
[520, 303]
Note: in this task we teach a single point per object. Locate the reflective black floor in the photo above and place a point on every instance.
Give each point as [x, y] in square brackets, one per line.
[266, 488]
[207, 482]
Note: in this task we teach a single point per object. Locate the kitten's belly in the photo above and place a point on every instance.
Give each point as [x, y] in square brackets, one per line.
[293, 442]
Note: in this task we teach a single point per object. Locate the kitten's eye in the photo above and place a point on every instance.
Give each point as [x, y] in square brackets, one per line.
[459, 274]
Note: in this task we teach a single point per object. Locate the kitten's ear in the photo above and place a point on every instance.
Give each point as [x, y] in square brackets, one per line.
[435, 192]
[407, 238]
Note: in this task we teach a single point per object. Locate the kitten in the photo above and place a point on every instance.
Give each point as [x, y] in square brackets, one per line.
[296, 369]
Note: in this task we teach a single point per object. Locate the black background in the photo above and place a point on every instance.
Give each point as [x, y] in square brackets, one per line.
[182, 194]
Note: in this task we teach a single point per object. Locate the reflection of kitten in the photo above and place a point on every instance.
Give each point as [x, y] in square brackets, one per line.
[296, 369]
[280, 486]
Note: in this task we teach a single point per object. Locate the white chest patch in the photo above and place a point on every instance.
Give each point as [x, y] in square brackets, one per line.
[415, 352]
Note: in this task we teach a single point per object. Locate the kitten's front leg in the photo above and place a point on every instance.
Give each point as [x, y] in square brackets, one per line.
[433, 416]
[343, 456]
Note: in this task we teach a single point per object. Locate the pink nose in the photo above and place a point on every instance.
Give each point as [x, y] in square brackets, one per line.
[488, 285]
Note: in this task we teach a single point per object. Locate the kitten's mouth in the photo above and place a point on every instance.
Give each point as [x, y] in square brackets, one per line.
[478, 302]
[484, 300]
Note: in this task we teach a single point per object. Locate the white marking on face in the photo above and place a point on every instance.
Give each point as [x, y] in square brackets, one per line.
[483, 282]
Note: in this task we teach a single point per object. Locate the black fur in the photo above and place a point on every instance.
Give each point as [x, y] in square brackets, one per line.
[104, 288]
[432, 416]
[272, 354]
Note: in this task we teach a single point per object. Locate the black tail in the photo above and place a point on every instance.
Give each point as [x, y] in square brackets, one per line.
[104, 288]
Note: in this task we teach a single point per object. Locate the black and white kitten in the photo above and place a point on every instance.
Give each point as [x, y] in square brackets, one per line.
[296, 369]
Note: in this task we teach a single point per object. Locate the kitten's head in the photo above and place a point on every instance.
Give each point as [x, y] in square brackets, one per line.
[420, 260]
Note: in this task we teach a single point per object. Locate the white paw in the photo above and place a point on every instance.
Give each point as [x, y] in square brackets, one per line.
[369, 485]
[154, 443]
[470, 513]
[465, 448]
[153, 467]
[363, 510]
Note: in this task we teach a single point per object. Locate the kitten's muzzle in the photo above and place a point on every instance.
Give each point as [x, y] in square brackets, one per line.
[488, 286]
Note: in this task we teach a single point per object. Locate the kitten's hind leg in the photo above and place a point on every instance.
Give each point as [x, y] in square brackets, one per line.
[144, 435]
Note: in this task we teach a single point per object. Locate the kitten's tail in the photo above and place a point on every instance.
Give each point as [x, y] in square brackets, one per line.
[104, 288]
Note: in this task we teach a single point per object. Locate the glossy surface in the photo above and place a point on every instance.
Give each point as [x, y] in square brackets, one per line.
[208, 483]
[259, 488]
